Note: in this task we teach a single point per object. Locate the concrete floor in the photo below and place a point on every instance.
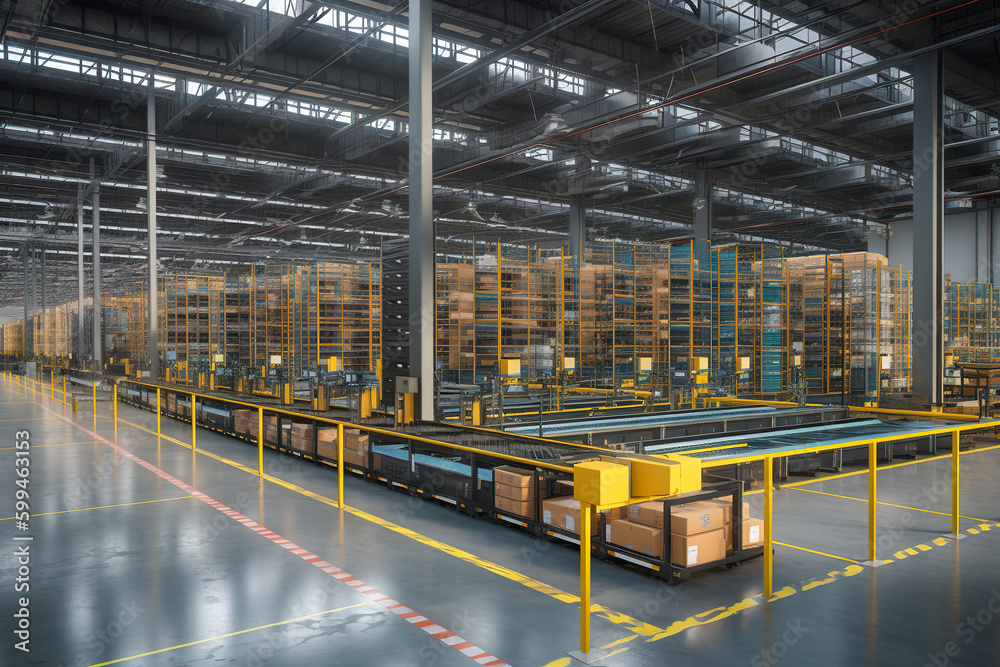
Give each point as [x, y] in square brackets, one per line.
[129, 567]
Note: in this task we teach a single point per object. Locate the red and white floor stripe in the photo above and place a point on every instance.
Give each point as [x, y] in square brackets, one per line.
[465, 647]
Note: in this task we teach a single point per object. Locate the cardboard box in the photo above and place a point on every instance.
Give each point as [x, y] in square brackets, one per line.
[636, 536]
[726, 503]
[524, 508]
[327, 436]
[705, 547]
[354, 457]
[729, 532]
[518, 493]
[565, 513]
[687, 519]
[753, 533]
[356, 441]
[513, 476]
[694, 518]
[326, 450]
[649, 513]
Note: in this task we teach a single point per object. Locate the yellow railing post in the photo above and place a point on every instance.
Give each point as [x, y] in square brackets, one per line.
[94, 397]
[584, 577]
[872, 500]
[114, 404]
[340, 465]
[157, 411]
[194, 425]
[52, 381]
[260, 441]
[768, 527]
[955, 468]
[64, 389]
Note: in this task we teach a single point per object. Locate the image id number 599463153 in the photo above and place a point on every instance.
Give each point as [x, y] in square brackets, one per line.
[22, 540]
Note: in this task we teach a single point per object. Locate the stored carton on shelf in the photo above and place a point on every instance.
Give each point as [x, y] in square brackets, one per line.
[691, 550]
[565, 513]
[518, 493]
[686, 519]
[753, 533]
[636, 536]
[726, 503]
[524, 508]
[513, 476]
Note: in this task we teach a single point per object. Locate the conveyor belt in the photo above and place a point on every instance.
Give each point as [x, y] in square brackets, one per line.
[751, 439]
[454, 465]
[637, 421]
[794, 441]
[501, 443]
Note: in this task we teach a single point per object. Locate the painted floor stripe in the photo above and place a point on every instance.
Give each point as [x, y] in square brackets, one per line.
[905, 507]
[370, 592]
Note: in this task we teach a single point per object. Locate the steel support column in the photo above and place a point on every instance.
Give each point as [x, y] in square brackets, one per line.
[25, 339]
[152, 328]
[421, 208]
[928, 226]
[97, 365]
[80, 347]
[577, 230]
[703, 207]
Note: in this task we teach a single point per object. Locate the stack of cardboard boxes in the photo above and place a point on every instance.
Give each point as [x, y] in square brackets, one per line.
[302, 437]
[356, 443]
[701, 532]
[326, 443]
[514, 490]
[356, 446]
[271, 431]
[245, 423]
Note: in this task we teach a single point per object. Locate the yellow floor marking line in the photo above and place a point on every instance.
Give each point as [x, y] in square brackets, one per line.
[26, 419]
[905, 507]
[924, 547]
[232, 634]
[616, 642]
[820, 582]
[560, 662]
[813, 551]
[973, 531]
[104, 507]
[911, 551]
[60, 444]
[941, 541]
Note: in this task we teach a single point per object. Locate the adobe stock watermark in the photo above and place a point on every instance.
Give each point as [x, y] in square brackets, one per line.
[779, 649]
[967, 631]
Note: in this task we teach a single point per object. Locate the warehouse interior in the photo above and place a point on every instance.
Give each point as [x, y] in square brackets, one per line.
[527, 333]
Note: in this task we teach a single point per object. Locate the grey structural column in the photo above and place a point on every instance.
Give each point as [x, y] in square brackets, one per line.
[577, 229]
[703, 207]
[42, 279]
[80, 347]
[928, 226]
[97, 365]
[27, 295]
[34, 301]
[154, 358]
[421, 208]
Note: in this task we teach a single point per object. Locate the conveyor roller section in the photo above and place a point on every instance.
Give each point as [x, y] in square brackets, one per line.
[638, 421]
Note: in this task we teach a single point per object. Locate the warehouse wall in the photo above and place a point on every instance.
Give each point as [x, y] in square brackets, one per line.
[971, 245]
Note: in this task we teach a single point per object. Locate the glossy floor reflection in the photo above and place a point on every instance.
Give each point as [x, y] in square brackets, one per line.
[127, 568]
